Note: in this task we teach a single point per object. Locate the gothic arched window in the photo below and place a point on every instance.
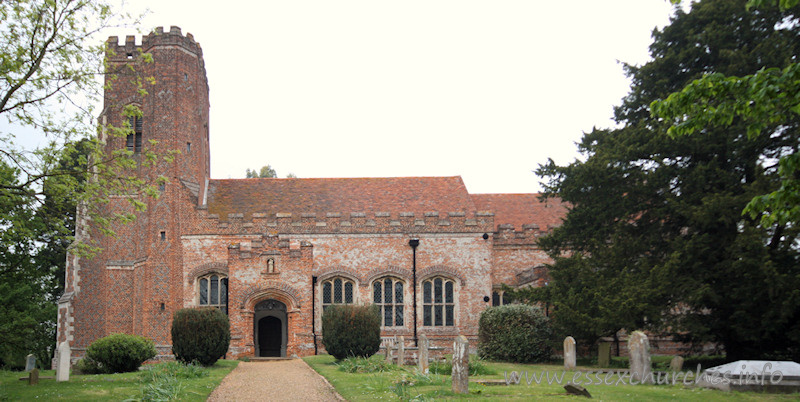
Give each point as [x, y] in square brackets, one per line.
[438, 302]
[133, 141]
[337, 291]
[213, 291]
[387, 293]
[500, 298]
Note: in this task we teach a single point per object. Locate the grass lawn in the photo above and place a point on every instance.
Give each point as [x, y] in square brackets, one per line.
[404, 384]
[111, 387]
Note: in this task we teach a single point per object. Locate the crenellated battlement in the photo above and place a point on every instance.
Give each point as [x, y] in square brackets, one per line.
[349, 222]
[507, 235]
[129, 49]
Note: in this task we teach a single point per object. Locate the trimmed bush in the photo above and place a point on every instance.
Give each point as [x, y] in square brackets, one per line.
[351, 331]
[200, 335]
[120, 353]
[514, 333]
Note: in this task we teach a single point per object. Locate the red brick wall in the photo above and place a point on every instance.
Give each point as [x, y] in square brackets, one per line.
[515, 252]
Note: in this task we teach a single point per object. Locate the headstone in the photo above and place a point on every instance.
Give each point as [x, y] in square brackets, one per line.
[569, 353]
[460, 373]
[604, 354]
[401, 351]
[30, 362]
[422, 354]
[639, 349]
[33, 377]
[62, 371]
[676, 364]
[753, 375]
[573, 389]
[388, 351]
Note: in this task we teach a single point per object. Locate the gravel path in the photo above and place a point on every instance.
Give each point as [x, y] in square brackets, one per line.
[278, 380]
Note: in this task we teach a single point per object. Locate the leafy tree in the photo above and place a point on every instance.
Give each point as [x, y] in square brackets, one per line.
[50, 62]
[766, 101]
[266, 171]
[654, 238]
[27, 316]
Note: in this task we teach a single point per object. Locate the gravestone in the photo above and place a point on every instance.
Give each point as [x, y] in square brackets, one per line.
[604, 354]
[33, 377]
[30, 362]
[422, 354]
[460, 373]
[573, 389]
[387, 351]
[676, 364]
[639, 350]
[569, 353]
[401, 351]
[62, 371]
[753, 375]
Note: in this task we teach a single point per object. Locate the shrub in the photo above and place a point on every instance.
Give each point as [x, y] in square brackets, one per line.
[349, 330]
[87, 366]
[121, 353]
[514, 333]
[200, 335]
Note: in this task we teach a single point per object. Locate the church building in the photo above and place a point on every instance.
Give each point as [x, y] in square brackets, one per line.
[274, 253]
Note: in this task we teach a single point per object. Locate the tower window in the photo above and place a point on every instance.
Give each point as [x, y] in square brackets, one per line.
[133, 141]
[188, 147]
[163, 235]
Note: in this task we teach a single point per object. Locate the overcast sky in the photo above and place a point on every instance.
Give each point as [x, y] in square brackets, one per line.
[482, 89]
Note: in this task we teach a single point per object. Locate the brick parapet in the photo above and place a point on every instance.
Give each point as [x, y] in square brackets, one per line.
[345, 223]
[507, 235]
[174, 37]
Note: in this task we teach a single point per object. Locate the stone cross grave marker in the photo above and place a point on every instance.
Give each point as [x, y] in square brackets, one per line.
[604, 354]
[422, 354]
[639, 349]
[401, 351]
[569, 353]
[30, 362]
[64, 352]
[460, 373]
[676, 364]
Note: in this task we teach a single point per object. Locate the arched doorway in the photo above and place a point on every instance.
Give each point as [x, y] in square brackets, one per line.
[269, 330]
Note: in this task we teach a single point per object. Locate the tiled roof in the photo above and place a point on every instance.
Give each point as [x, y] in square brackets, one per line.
[343, 195]
[521, 209]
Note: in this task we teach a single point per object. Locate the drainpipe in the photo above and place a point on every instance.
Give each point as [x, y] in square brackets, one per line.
[314, 312]
[414, 243]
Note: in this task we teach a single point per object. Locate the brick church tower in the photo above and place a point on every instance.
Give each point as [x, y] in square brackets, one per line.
[134, 284]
